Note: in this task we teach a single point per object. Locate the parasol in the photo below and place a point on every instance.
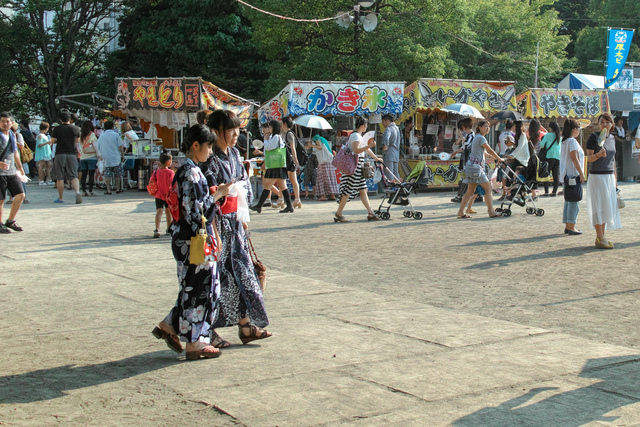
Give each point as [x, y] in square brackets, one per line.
[463, 110]
[312, 121]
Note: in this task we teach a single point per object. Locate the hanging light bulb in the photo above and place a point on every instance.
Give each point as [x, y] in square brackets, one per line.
[366, 3]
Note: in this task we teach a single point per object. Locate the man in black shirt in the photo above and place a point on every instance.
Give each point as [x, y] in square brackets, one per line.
[65, 162]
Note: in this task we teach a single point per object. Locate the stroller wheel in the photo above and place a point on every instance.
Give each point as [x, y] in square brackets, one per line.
[507, 212]
[377, 212]
[540, 212]
[531, 211]
[498, 210]
[407, 214]
[385, 215]
[417, 215]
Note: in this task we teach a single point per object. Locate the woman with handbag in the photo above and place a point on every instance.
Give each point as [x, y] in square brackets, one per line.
[326, 182]
[240, 301]
[351, 185]
[571, 174]
[275, 154]
[550, 153]
[602, 202]
[89, 154]
[474, 170]
[197, 305]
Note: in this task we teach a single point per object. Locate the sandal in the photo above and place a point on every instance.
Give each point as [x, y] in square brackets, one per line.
[601, 245]
[465, 216]
[471, 211]
[322, 199]
[217, 341]
[207, 352]
[255, 333]
[297, 204]
[173, 342]
[108, 192]
[372, 217]
[495, 214]
[339, 218]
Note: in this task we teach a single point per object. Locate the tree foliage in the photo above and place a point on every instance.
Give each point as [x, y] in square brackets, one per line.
[175, 38]
[56, 48]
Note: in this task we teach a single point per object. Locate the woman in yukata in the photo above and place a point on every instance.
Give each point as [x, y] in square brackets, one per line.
[197, 305]
[241, 301]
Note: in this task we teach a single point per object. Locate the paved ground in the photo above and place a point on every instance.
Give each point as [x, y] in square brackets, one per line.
[433, 322]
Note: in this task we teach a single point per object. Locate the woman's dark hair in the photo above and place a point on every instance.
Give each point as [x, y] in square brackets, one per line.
[265, 125]
[223, 120]
[165, 156]
[200, 133]
[465, 123]
[534, 132]
[556, 130]
[518, 131]
[360, 121]
[276, 127]
[287, 121]
[508, 124]
[569, 126]
[44, 126]
[480, 124]
[86, 129]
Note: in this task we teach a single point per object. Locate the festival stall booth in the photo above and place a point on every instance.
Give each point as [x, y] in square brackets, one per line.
[423, 103]
[341, 101]
[165, 108]
[546, 105]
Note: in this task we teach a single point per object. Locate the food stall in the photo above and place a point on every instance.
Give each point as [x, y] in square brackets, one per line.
[551, 104]
[337, 100]
[423, 102]
[165, 108]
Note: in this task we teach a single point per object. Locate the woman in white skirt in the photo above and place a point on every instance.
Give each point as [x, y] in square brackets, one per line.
[602, 204]
[475, 172]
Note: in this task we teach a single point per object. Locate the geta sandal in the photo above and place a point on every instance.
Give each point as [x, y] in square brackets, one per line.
[173, 342]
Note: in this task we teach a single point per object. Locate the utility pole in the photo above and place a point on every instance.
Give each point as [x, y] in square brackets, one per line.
[535, 84]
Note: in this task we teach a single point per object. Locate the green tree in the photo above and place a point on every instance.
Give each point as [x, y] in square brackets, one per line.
[55, 47]
[203, 38]
[410, 41]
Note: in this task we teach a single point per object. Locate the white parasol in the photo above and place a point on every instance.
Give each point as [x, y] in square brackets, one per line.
[463, 110]
[312, 121]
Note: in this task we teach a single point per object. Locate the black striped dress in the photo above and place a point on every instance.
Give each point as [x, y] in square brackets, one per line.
[350, 185]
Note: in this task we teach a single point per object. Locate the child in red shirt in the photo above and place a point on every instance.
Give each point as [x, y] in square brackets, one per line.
[164, 178]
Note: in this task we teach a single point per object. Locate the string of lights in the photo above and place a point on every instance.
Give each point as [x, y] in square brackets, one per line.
[285, 17]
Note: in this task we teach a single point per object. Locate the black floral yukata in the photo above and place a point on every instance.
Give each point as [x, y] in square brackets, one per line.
[196, 306]
[240, 292]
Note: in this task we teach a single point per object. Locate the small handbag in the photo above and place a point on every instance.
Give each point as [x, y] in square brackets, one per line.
[152, 188]
[367, 170]
[572, 189]
[345, 161]
[203, 248]
[261, 269]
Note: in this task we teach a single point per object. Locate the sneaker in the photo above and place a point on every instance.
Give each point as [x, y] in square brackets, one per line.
[78, 198]
[58, 201]
[42, 183]
[156, 234]
[25, 202]
[3, 229]
[13, 225]
[456, 199]
[48, 183]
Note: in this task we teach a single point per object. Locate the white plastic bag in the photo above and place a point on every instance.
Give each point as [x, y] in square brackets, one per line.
[238, 190]
[100, 166]
[377, 175]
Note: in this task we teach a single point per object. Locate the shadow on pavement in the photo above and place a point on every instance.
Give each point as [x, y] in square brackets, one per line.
[577, 407]
[569, 252]
[512, 241]
[92, 244]
[46, 384]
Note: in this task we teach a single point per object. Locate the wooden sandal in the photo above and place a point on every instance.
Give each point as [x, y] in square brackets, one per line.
[255, 333]
[173, 342]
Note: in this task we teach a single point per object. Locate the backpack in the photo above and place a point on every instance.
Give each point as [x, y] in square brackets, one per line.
[301, 153]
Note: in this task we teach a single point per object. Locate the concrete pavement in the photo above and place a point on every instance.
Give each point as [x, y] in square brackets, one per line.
[402, 322]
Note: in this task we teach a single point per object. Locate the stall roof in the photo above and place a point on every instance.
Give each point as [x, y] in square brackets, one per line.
[173, 101]
[428, 94]
[334, 98]
[581, 81]
[543, 103]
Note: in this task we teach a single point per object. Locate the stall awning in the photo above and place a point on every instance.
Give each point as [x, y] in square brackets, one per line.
[542, 103]
[433, 94]
[172, 102]
[334, 99]
[581, 81]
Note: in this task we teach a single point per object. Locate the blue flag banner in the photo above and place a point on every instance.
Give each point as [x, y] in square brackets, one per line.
[619, 42]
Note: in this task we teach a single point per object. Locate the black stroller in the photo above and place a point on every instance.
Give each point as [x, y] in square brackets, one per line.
[398, 192]
[521, 194]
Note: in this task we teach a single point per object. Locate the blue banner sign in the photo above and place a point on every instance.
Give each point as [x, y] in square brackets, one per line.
[619, 42]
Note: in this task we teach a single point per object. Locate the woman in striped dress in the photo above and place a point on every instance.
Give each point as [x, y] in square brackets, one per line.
[351, 185]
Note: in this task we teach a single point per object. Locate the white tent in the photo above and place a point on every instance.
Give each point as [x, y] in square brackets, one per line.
[581, 81]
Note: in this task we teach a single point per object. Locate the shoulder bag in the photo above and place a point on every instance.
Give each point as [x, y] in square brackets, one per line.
[572, 189]
[345, 161]
[261, 269]
[276, 158]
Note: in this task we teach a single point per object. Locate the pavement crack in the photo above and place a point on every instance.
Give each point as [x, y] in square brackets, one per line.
[220, 411]
[113, 257]
[389, 388]
[117, 275]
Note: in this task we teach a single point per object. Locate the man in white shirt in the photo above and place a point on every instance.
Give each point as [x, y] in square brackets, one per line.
[10, 182]
[112, 151]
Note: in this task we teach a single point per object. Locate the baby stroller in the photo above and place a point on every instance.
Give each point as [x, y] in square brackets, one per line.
[520, 194]
[398, 192]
